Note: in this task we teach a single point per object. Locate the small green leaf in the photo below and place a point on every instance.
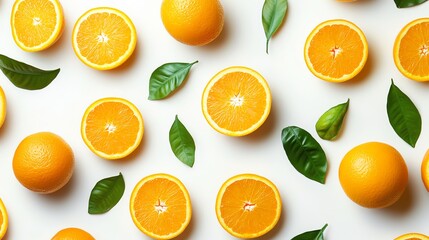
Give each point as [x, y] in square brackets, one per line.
[408, 3]
[273, 13]
[403, 115]
[329, 124]
[26, 76]
[166, 78]
[305, 153]
[311, 235]
[106, 194]
[182, 143]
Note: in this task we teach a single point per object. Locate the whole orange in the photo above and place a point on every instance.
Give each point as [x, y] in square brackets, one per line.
[72, 234]
[193, 22]
[43, 162]
[373, 175]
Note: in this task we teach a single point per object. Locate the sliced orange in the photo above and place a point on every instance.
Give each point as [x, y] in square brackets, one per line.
[4, 222]
[2, 107]
[236, 101]
[412, 236]
[72, 233]
[112, 127]
[425, 170]
[160, 206]
[104, 38]
[336, 50]
[248, 206]
[411, 50]
[36, 24]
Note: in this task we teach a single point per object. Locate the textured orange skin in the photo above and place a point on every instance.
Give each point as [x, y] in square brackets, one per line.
[373, 175]
[43, 162]
[72, 234]
[193, 22]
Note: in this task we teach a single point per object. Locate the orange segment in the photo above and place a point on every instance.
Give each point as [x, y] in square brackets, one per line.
[411, 50]
[248, 206]
[425, 170]
[160, 206]
[336, 50]
[236, 101]
[104, 38]
[4, 222]
[412, 236]
[36, 24]
[112, 128]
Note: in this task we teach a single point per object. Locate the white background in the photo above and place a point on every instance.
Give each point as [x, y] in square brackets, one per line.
[299, 99]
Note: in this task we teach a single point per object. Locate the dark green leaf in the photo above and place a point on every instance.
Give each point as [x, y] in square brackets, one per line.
[311, 235]
[25, 76]
[408, 3]
[166, 78]
[106, 194]
[329, 124]
[182, 143]
[305, 153]
[273, 13]
[403, 115]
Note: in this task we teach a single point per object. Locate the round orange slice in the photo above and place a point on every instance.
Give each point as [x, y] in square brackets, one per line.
[411, 50]
[36, 24]
[336, 50]
[425, 170]
[112, 128]
[2, 107]
[248, 206]
[412, 236]
[104, 38]
[4, 223]
[160, 206]
[236, 101]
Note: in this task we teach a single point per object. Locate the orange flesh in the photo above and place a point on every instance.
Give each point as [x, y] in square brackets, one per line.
[248, 206]
[102, 43]
[414, 50]
[160, 210]
[236, 101]
[35, 21]
[335, 51]
[112, 127]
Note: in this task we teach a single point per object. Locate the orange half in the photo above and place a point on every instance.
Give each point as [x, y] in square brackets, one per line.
[411, 50]
[4, 223]
[160, 206]
[36, 24]
[236, 101]
[412, 236]
[112, 127]
[425, 170]
[336, 50]
[2, 107]
[248, 206]
[104, 38]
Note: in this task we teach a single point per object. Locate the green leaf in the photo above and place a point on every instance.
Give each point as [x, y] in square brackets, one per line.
[408, 3]
[26, 76]
[182, 143]
[403, 115]
[311, 235]
[273, 13]
[305, 153]
[106, 194]
[329, 124]
[166, 78]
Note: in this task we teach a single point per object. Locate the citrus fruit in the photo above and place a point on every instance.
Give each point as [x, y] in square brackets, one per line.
[4, 222]
[43, 162]
[248, 206]
[193, 22]
[236, 101]
[104, 38]
[373, 175]
[336, 50]
[112, 128]
[36, 24]
[425, 170]
[160, 206]
[2, 107]
[411, 50]
[412, 236]
[72, 234]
